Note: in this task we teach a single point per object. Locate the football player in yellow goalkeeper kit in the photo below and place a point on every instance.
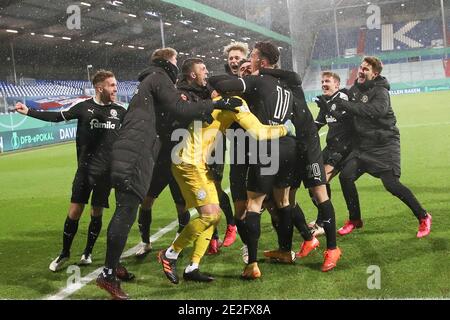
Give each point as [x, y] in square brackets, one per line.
[197, 186]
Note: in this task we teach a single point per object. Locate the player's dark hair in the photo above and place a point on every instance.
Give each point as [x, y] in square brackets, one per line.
[269, 51]
[376, 63]
[163, 54]
[243, 61]
[188, 66]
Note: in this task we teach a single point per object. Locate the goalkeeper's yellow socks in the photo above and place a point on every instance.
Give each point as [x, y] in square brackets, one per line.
[201, 244]
[194, 229]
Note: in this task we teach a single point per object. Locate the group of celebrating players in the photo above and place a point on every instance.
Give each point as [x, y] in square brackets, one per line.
[274, 146]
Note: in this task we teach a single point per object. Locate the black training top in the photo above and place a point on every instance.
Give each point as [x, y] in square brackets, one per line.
[340, 123]
[97, 129]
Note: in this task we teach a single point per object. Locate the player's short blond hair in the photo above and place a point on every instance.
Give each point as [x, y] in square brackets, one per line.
[331, 74]
[163, 53]
[241, 46]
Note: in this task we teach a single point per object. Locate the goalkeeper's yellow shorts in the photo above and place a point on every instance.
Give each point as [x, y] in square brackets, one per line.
[196, 184]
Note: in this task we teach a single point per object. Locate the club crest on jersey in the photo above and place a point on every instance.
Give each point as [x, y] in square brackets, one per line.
[365, 98]
[333, 106]
[95, 124]
[113, 113]
[201, 194]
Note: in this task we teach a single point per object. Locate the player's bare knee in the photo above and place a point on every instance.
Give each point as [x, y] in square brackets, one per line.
[320, 193]
[75, 211]
[96, 211]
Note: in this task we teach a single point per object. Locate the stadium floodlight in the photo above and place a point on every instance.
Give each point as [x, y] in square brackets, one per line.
[195, 30]
[85, 4]
[49, 36]
[115, 3]
[167, 23]
[152, 13]
[108, 43]
[67, 38]
[130, 46]
[217, 36]
[132, 15]
[141, 48]
[94, 41]
[12, 31]
[32, 33]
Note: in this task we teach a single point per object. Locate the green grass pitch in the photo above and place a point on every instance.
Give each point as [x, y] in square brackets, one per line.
[35, 191]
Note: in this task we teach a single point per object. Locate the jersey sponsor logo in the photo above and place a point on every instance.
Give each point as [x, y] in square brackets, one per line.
[113, 113]
[330, 119]
[95, 124]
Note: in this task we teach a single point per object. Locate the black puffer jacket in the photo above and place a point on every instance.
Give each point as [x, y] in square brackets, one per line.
[148, 120]
[374, 119]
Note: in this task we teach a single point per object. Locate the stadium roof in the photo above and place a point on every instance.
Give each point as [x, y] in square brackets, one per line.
[192, 27]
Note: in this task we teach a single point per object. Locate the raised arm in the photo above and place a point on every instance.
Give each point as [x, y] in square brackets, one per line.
[167, 96]
[49, 116]
[290, 77]
[259, 131]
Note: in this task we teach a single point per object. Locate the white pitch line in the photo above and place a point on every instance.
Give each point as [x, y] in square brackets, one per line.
[74, 287]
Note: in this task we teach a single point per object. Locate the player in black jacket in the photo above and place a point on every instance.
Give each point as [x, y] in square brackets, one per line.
[99, 121]
[377, 150]
[147, 124]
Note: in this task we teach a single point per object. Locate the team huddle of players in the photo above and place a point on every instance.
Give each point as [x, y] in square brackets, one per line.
[274, 147]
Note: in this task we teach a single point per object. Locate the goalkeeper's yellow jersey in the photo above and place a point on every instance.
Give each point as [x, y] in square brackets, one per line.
[201, 139]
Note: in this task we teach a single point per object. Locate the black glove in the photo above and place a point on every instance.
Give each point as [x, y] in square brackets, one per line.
[208, 118]
[229, 104]
[341, 104]
[322, 103]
